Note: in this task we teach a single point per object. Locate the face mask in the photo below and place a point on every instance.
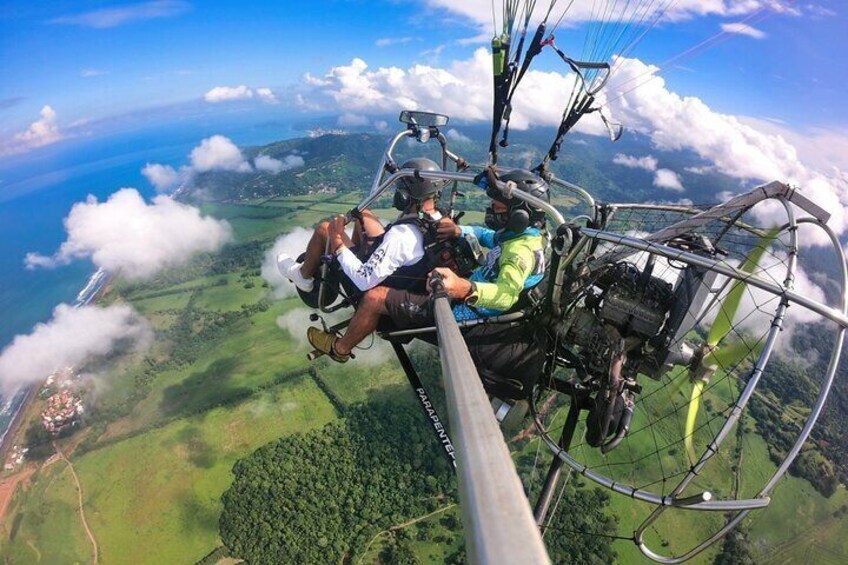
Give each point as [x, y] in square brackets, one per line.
[496, 221]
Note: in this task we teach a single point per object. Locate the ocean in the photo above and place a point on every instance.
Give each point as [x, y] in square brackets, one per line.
[38, 190]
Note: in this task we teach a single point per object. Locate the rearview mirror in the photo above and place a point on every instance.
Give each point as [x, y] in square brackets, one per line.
[423, 119]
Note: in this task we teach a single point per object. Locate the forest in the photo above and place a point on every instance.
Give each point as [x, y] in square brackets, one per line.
[320, 497]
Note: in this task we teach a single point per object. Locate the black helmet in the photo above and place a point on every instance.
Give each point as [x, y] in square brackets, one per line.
[420, 188]
[521, 214]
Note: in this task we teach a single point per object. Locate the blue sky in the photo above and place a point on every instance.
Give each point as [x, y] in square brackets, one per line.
[92, 60]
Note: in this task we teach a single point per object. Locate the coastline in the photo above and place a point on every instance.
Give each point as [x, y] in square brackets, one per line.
[92, 291]
[14, 426]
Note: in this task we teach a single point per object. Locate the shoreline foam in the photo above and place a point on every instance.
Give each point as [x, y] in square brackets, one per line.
[23, 395]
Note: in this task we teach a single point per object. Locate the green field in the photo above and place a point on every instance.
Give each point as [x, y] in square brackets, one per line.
[153, 472]
[45, 528]
[161, 490]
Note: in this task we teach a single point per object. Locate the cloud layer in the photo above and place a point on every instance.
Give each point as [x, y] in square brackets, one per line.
[635, 96]
[663, 178]
[164, 177]
[268, 164]
[648, 163]
[126, 234]
[215, 153]
[669, 180]
[242, 92]
[292, 244]
[743, 29]
[72, 337]
[480, 11]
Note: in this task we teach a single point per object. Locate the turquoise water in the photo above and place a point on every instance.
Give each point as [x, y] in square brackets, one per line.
[38, 190]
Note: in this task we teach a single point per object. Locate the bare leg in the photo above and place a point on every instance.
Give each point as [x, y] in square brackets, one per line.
[364, 320]
[316, 247]
[373, 227]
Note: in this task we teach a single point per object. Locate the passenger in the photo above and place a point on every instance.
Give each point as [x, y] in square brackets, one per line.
[515, 263]
[392, 256]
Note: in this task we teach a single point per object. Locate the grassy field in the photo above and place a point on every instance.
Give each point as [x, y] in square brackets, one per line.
[153, 483]
[161, 491]
[49, 529]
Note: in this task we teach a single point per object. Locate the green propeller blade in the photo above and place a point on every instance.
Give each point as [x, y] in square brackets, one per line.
[731, 354]
[691, 417]
[727, 310]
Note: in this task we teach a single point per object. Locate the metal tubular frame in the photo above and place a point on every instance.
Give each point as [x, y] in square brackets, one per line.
[635, 244]
[579, 191]
[499, 525]
[839, 317]
[733, 419]
[512, 318]
[808, 426]
[552, 213]
[728, 209]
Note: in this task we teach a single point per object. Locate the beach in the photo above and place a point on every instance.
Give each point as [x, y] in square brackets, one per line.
[16, 407]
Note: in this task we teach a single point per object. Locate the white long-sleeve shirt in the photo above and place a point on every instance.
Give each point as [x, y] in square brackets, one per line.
[402, 245]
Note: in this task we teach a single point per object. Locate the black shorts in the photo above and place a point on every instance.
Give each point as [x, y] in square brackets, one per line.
[408, 309]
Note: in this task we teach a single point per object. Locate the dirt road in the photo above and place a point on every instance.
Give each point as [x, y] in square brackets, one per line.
[79, 497]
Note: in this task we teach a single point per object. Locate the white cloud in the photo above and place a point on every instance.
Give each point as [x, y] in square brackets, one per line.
[819, 12]
[218, 153]
[293, 243]
[266, 95]
[743, 29]
[228, 93]
[113, 17]
[480, 11]
[42, 132]
[389, 41]
[89, 73]
[635, 97]
[454, 134]
[725, 195]
[649, 162]
[462, 90]
[822, 148]
[215, 153]
[700, 170]
[126, 234]
[734, 147]
[163, 177]
[433, 54]
[72, 337]
[268, 164]
[669, 180]
[242, 92]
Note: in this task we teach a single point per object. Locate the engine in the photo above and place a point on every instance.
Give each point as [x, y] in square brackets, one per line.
[623, 307]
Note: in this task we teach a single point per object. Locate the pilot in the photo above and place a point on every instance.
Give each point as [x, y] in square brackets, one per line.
[515, 263]
[392, 257]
